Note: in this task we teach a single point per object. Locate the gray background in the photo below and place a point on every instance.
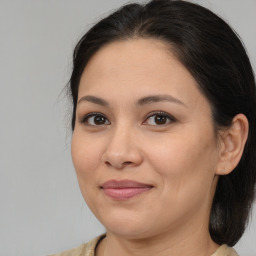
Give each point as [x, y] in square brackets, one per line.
[42, 210]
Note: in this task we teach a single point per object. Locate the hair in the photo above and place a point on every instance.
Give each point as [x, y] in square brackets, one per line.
[214, 55]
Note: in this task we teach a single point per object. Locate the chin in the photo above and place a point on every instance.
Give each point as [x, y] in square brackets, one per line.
[130, 227]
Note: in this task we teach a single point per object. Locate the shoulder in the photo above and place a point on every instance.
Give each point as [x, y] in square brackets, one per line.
[79, 251]
[224, 250]
[86, 249]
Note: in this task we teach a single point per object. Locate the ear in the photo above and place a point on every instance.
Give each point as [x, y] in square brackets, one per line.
[232, 144]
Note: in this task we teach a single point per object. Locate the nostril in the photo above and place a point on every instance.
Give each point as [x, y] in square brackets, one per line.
[121, 165]
[107, 163]
[127, 163]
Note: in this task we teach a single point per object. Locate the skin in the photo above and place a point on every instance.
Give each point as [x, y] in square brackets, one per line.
[179, 158]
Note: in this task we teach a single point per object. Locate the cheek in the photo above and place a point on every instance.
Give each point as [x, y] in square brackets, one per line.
[85, 156]
[86, 159]
[186, 169]
[184, 158]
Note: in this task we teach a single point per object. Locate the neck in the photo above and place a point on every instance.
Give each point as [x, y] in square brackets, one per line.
[196, 243]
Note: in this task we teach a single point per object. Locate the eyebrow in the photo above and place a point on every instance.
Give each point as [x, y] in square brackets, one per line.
[159, 98]
[94, 100]
[143, 101]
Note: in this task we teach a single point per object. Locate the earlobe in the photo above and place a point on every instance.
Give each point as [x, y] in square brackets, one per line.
[232, 145]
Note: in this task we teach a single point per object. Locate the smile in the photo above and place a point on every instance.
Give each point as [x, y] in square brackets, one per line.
[124, 189]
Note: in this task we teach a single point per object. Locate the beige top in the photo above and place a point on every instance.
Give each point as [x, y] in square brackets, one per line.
[88, 249]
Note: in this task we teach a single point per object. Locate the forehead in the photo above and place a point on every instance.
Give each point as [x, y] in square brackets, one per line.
[134, 55]
[138, 67]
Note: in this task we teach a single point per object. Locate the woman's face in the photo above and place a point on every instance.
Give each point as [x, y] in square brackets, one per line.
[144, 146]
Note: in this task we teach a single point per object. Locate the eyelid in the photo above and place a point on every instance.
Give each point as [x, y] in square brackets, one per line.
[172, 118]
[87, 116]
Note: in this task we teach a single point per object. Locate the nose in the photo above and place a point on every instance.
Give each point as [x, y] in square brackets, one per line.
[122, 149]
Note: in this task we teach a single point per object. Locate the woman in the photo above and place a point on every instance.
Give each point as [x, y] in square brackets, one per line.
[163, 142]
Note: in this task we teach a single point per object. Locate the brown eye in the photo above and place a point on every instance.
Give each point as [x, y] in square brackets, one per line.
[95, 120]
[159, 119]
[99, 120]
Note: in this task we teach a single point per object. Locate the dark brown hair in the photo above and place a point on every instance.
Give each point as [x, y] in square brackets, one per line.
[216, 58]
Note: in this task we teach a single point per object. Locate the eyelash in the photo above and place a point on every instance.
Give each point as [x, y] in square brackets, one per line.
[162, 114]
[168, 117]
[85, 119]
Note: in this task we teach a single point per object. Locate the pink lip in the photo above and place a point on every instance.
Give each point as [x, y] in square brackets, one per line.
[124, 189]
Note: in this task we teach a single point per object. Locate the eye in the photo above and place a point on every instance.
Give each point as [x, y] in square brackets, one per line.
[159, 118]
[95, 119]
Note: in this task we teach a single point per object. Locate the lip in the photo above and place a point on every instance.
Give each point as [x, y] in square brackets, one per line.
[124, 189]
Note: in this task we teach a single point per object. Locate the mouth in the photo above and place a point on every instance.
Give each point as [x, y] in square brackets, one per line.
[124, 189]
